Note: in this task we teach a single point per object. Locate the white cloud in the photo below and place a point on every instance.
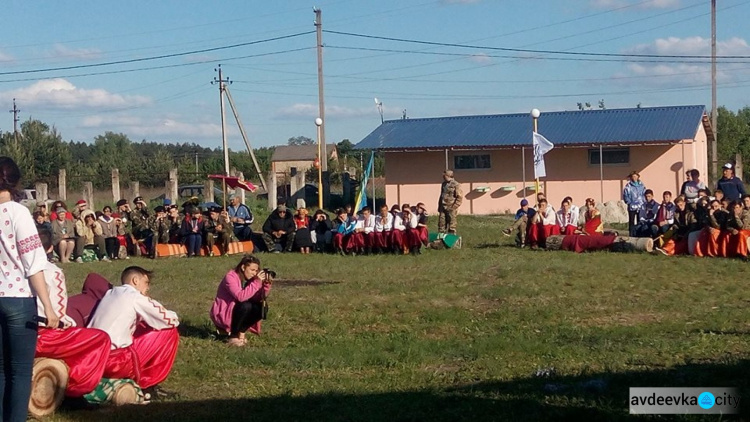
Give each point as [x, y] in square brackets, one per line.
[481, 58]
[61, 94]
[653, 4]
[682, 74]
[311, 111]
[154, 128]
[65, 52]
[5, 57]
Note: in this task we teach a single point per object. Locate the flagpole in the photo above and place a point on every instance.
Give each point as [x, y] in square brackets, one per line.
[535, 117]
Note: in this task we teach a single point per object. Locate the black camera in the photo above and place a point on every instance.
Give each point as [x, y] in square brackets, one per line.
[269, 272]
[264, 309]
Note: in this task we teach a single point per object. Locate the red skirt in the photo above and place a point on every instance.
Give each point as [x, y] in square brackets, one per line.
[538, 233]
[676, 247]
[84, 350]
[737, 244]
[708, 242]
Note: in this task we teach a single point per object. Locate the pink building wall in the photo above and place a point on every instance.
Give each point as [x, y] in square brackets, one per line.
[413, 177]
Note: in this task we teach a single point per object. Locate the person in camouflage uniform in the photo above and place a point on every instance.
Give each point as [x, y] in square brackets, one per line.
[451, 197]
[218, 228]
[123, 208]
[140, 218]
[159, 225]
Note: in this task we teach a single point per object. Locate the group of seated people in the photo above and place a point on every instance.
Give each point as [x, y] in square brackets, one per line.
[400, 230]
[533, 225]
[108, 332]
[137, 231]
[705, 225]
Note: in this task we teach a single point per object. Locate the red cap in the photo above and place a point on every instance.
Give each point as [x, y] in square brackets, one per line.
[81, 201]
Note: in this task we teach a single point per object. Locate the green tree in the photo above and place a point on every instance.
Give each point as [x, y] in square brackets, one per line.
[344, 147]
[733, 134]
[300, 140]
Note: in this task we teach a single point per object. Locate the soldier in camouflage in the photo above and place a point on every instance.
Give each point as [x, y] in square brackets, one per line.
[451, 197]
[159, 225]
[140, 218]
[123, 208]
[218, 229]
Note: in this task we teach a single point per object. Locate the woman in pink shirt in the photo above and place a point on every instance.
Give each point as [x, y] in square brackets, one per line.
[22, 261]
[238, 306]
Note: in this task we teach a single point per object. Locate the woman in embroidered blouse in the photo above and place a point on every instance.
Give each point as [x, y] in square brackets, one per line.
[21, 282]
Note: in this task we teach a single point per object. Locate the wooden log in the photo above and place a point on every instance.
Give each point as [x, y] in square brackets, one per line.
[620, 244]
[49, 379]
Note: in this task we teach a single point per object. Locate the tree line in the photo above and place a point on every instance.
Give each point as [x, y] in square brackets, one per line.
[40, 151]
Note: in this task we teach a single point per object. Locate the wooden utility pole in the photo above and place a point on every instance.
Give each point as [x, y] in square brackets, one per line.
[244, 138]
[221, 81]
[321, 101]
[714, 105]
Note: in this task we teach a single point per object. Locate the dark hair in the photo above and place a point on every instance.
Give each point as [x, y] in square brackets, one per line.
[648, 192]
[45, 236]
[107, 207]
[129, 272]
[542, 201]
[666, 192]
[10, 175]
[57, 204]
[405, 207]
[694, 174]
[715, 200]
[680, 198]
[246, 260]
[384, 206]
[366, 209]
[568, 198]
[718, 190]
[36, 214]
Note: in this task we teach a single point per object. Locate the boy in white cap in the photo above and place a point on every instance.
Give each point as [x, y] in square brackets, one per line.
[731, 185]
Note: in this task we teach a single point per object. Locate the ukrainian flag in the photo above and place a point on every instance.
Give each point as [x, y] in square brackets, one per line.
[362, 197]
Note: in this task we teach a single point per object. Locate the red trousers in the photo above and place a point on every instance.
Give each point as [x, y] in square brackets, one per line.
[412, 238]
[383, 240]
[360, 240]
[148, 360]
[84, 350]
[568, 230]
[341, 242]
[538, 233]
[737, 244]
[397, 239]
[424, 235]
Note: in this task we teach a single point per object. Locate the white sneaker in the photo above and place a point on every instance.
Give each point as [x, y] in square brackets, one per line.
[106, 259]
[79, 260]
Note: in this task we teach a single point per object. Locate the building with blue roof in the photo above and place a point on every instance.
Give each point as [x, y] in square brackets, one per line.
[492, 155]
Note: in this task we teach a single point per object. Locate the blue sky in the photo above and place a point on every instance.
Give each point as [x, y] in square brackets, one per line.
[275, 84]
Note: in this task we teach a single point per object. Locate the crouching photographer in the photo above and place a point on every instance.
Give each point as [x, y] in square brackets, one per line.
[240, 302]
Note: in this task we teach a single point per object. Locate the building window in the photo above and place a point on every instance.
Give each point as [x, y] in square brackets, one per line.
[610, 156]
[469, 162]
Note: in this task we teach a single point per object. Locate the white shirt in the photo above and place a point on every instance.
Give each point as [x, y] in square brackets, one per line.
[398, 223]
[567, 219]
[549, 218]
[58, 294]
[367, 224]
[383, 224]
[120, 310]
[21, 252]
[412, 222]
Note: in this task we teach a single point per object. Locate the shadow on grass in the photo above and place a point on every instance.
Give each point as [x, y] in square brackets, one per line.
[282, 283]
[589, 397]
[200, 331]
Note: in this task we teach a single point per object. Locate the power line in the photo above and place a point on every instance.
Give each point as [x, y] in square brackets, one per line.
[111, 72]
[163, 56]
[525, 50]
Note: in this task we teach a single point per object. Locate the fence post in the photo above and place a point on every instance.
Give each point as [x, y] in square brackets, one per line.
[272, 190]
[171, 193]
[135, 189]
[62, 192]
[115, 185]
[88, 194]
[239, 191]
[738, 168]
[41, 193]
[208, 190]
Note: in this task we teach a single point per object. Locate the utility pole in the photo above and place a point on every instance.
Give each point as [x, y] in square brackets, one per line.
[15, 112]
[196, 162]
[714, 106]
[321, 105]
[221, 81]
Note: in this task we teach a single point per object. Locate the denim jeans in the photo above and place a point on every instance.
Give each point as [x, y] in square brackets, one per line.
[193, 243]
[18, 337]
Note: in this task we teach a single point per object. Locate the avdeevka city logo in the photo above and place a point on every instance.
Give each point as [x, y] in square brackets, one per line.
[706, 400]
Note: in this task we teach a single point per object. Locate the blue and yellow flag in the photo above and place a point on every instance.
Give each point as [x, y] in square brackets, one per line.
[362, 197]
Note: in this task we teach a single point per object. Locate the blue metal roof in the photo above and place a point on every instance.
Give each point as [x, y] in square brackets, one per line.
[620, 126]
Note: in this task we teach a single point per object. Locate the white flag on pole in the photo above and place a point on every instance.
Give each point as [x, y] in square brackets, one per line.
[541, 147]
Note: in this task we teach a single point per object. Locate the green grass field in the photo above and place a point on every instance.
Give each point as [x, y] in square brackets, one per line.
[449, 335]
